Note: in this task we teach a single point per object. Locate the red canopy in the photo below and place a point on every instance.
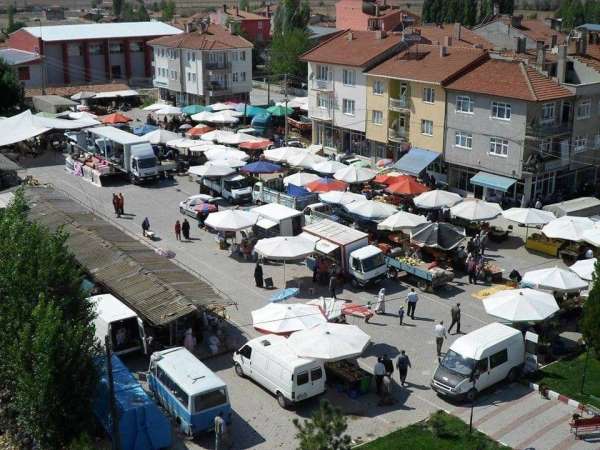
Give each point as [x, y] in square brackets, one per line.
[387, 179]
[114, 118]
[326, 185]
[406, 185]
[255, 145]
[199, 130]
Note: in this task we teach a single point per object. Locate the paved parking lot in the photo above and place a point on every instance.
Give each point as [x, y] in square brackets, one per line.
[259, 422]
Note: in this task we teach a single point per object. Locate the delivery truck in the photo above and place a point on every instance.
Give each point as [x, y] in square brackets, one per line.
[273, 192]
[236, 188]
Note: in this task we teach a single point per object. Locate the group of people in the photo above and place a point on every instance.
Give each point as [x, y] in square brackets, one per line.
[475, 259]
[384, 368]
[118, 202]
[182, 228]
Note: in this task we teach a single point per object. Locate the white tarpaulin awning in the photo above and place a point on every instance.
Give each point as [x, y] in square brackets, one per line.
[113, 94]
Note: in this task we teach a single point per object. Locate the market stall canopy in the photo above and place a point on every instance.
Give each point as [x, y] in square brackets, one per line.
[115, 94]
[222, 106]
[568, 228]
[330, 307]
[281, 318]
[521, 305]
[285, 248]
[492, 181]
[354, 174]
[300, 179]
[436, 199]
[406, 185]
[476, 210]
[416, 160]
[554, 279]
[211, 170]
[529, 216]
[304, 159]
[168, 110]
[194, 109]
[329, 167]
[280, 154]
[329, 342]
[161, 136]
[115, 118]
[592, 236]
[402, 220]
[388, 178]
[326, 185]
[236, 138]
[438, 235]
[261, 167]
[371, 209]
[279, 110]
[182, 143]
[249, 110]
[199, 130]
[84, 95]
[585, 268]
[341, 197]
[233, 162]
[231, 220]
[257, 144]
[581, 207]
[223, 152]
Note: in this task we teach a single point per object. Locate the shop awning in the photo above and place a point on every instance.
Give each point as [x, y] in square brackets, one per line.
[492, 181]
[416, 160]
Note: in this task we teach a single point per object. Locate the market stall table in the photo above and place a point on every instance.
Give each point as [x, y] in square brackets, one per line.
[540, 243]
[348, 377]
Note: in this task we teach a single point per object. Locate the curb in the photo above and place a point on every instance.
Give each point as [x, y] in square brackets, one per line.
[561, 398]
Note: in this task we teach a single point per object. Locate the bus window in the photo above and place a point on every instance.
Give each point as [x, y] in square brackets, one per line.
[209, 400]
[173, 388]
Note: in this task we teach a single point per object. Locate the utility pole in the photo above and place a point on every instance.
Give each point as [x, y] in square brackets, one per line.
[116, 437]
[268, 90]
[285, 80]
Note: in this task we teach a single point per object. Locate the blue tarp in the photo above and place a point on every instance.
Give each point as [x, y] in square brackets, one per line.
[492, 181]
[144, 129]
[261, 167]
[416, 160]
[297, 191]
[142, 426]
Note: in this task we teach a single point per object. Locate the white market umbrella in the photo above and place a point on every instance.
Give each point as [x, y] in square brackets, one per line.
[300, 178]
[401, 220]
[341, 197]
[520, 305]
[592, 236]
[215, 135]
[554, 279]
[475, 210]
[329, 342]
[82, 115]
[201, 146]
[204, 116]
[182, 143]
[354, 174]
[221, 106]
[585, 268]
[304, 159]
[371, 209]
[284, 248]
[330, 307]
[160, 136]
[237, 139]
[211, 170]
[84, 95]
[231, 220]
[329, 167]
[281, 154]
[281, 318]
[167, 110]
[569, 228]
[436, 199]
[225, 117]
[225, 153]
[529, 216]
[233, 163]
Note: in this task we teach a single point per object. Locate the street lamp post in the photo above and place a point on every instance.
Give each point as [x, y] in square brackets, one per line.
[42, 57]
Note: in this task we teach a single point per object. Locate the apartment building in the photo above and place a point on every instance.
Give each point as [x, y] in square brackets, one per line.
[359, 15]
[508, 131]
[27, 65]
[256, 28]
[203, 66]
[406, 98]
[337, 83]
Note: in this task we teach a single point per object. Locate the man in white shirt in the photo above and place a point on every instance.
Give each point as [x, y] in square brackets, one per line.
[411, 299]
[379, 372]
[440, 335]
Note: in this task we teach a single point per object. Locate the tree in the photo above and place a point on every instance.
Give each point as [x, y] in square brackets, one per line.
[470, 13]
[427, 11]
[324, 431]
[168, 10]
[285, 52]
[12, 25]
[507, 6]
[12, 90]
[94, 4]
[591, 312]
[291, 14]
[142, 13]
[117, 7]
[486, 9]
[127, 13]
[244, 5]
[453, 12]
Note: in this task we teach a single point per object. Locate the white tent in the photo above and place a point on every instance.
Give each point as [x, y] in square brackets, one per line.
[215, 135]
[529, 216]
[304, 159]
[236, 138]
[585, 268]
[231, 220]
[211, 170]
[329, 341]
[330, 307]
[570, 228]
[402, 220]
[554, 279]
[436, 199]
[341, 197]
[371, 209]
[476, 210]
[61, 124]
[329, 167]
[592, 236]
[520, 305]
[354, 174]
[283, 318]
[233, 162]
[226, 117]
[300, 178]
[296, 102]
[84, 95]
[280, 154]
[203, 116]
[152, 107]
[160, 136]
[225, 153]
[221, 106]
[168, 110]
[284, 248]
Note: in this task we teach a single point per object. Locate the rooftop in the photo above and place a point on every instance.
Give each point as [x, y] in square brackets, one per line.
[425, 63]
[473, 344]
[536, 30]
[240, 14]
[215, 37]
[15, 57]
[101, 31]
[435, 34]
[352, 48]
[510, 79]
[67, 91]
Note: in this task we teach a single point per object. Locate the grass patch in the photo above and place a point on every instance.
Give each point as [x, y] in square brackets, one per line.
[440, 432]
[565, 375]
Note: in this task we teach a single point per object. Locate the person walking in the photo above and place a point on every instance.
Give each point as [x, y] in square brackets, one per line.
[411, 299]
[178, 230]
[380, 305]
[332, 285]
[379, 372]
[471, 269]
[388, 364]
[115, 202]
[401, 315]
[476, 244]
[403, 363]
[258, 275]
[121, 204]
[440, 335]
[482, 242]
[455, 314]
[145, 226]
[220, 430]
[185, 229]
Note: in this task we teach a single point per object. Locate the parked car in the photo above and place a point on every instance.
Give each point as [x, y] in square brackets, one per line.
[188, 206]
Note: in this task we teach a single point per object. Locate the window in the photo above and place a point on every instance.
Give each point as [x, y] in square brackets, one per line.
[246, 351]
[597, 140]
[235, 77]
[189, 76]
[235, 56]
[348, 107]
[377, 117]
[501, 110]
[96, 49]
[499, 358]
[498, 146]
[24, 74]
[322, 72]
[545, 146]
[136, 46]
[115, 71]
[548, 112]
[463, 140]
[427, 127]
[580, 143]
[243, 76]
[428, 95]
[209, 400]
[194, 77]
[116, 48]
[584, 109]
[172, 387]
[349, 77]
[242, 55]
[482, 365]
[74, 49]
[302, 378]
[377, 87]
[323, 101]
[464, 104]
[259, 25]
[316, 374]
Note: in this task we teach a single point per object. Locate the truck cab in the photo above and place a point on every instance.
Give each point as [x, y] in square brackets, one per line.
[143, 165]
[367, 265]
[318, 211]
[235, 188]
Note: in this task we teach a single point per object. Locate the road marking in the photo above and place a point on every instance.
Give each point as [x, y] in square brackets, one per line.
[542, 431]
[519, 420]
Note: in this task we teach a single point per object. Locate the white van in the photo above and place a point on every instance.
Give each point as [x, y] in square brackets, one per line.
[121, 323]
[483, 358]
[271, 363]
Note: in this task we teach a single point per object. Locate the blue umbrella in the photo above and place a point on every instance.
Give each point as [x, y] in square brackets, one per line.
[195, 109]
[261, 167]
[284, 294]
[144, 129]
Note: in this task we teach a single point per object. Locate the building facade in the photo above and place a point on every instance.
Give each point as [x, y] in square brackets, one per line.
[370, 16]
[254, 27]
[27, 65]
[203, 66]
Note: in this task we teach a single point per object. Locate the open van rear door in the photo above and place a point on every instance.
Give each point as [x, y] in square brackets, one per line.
[142, 335]
[531, 360]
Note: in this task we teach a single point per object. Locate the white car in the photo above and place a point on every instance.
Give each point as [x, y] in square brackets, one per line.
[188, 206]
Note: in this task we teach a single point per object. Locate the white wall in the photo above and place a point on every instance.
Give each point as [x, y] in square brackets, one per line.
[240, 66]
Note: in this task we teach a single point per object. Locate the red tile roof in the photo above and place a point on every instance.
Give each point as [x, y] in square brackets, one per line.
[425, 63]
[435, 34]
[510, 79]
[538, 30]
[352, 48]
[216, 37]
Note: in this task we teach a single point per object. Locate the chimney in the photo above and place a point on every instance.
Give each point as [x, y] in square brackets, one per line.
[540, 55]
[561, 67]
[584, 41]
[376, 10]
[554, 41]
[447, 41]
[380, 34]
[237, 10]
[350, 36]
[520, 45]
[269, 10]
[443, 51]
[457, 31]
[496, 8]
[515, 21]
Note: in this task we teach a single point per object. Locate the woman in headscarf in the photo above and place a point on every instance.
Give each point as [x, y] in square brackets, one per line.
[380, 305]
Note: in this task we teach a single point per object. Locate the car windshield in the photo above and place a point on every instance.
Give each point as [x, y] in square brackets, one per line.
[373, 262]
[146, 163]
[458, 363]
[237, 184]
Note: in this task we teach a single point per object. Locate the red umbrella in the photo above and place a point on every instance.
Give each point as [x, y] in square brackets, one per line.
[384, 178]
[255, 145]
[199, 130]
[326, 185]
[407, 186]
[115, 118]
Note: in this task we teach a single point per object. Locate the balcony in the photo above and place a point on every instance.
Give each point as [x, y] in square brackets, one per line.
[398, 134]
[541, 129]
[320, 114]
[218, 66]
[399, 104]
[322, 85]
[217, 89]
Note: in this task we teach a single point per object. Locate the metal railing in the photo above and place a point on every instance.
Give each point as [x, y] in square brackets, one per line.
[400, 103]
[322, 85]
[218, 65]
[398, 135]
[540, 129]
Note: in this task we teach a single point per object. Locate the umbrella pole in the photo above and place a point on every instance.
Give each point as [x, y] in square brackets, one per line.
[284, 273]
